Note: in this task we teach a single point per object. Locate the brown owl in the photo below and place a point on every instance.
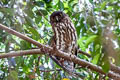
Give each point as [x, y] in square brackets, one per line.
[65, 36]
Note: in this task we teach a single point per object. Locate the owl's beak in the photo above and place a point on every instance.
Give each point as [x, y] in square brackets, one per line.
[57, 18]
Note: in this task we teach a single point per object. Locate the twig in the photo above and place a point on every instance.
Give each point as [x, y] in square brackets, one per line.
[84, 53]
[50, 70]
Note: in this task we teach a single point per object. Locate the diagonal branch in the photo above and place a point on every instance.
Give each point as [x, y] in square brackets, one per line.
[113, 67]
[22, 36]
[46, 49]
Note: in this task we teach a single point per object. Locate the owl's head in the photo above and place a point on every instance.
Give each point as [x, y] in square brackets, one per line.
[57, 16]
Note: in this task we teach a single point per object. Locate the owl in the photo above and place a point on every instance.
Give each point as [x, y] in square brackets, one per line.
[64, 38]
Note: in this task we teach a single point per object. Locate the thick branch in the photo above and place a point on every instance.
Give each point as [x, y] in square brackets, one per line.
[63, 55]
[114, 68]
[83, 63]
[47, 49]
[22, 36]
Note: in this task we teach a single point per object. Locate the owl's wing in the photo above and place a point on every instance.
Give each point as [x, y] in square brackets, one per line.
[56, 60]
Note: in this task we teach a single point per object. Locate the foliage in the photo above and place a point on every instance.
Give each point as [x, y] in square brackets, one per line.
[98, 27]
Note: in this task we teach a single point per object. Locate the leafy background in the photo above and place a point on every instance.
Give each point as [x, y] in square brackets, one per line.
[97, 23]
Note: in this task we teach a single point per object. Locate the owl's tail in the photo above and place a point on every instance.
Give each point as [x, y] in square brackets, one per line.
[69, 67]
[66, 66]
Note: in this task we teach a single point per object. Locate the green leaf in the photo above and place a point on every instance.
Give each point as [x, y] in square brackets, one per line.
[81, 44]
[29, 13]
[38, 19]
[44, 12]
[29, 21]
[48, 1]
[96, 58]
[34, 32]
[103, 5]
[9, 11]
[91, 1]
[78, 28]
[106, 65]
[39, 3]
[60, 5]
[90, 40]
[7, 21]
[13, 75]
[109, 8]
[25, 45]
[4, 1]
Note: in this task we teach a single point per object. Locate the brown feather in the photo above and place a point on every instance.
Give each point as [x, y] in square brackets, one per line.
[65, 36]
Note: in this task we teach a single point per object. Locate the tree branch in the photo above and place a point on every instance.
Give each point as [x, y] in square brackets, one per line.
[46, 49]
[114, 68]
[84, 53]
[50, 70]
[63, 55]
[22, 36]
[21, 53]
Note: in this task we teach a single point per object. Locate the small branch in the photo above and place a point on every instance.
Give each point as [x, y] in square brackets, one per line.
[21, 53]
[50, 70]
[84, 53]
